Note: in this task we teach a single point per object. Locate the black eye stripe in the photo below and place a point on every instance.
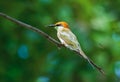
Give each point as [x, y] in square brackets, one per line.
[58, 25]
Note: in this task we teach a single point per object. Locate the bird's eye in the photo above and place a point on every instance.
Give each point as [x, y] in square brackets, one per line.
[58, 25]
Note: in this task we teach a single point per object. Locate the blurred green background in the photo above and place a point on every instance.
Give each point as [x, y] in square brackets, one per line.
[26, 56]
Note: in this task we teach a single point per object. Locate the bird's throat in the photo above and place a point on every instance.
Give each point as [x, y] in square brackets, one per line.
[59, 28]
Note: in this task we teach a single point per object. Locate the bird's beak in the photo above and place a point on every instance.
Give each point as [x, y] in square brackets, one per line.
[51, 25]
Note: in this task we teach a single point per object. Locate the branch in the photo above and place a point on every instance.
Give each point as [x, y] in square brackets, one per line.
[31, 28]
[44, 35]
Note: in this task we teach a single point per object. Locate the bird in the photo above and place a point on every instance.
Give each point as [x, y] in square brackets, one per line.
[69, 40]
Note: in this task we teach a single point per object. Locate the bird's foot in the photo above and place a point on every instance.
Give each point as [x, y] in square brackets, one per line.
[60, 45]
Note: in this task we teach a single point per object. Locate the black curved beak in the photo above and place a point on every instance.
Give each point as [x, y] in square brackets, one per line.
[51, 25]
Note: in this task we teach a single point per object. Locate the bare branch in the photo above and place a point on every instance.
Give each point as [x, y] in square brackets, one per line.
[31, 28]
[44, 35]
[93, 64]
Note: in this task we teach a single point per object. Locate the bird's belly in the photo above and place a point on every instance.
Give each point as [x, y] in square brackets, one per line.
[67, 41]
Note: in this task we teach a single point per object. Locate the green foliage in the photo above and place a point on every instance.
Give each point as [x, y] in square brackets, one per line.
[26, 56]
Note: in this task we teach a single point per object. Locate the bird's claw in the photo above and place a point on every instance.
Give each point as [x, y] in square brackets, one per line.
[60, 45]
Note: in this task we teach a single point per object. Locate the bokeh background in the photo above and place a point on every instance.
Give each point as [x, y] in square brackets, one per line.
[26, 56]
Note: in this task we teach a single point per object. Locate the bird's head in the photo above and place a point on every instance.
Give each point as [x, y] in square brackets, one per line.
[59, 25]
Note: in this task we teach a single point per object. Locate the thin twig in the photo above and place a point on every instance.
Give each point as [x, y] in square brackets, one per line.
[30, 27]
[93, 64]
[43, 34]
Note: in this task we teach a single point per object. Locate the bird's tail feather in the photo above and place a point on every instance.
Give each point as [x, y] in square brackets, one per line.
[81, 53]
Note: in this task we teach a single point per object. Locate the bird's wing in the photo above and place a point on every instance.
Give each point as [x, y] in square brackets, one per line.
[70, 39]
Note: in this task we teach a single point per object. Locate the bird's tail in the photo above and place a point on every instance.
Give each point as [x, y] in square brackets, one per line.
[81, 53]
